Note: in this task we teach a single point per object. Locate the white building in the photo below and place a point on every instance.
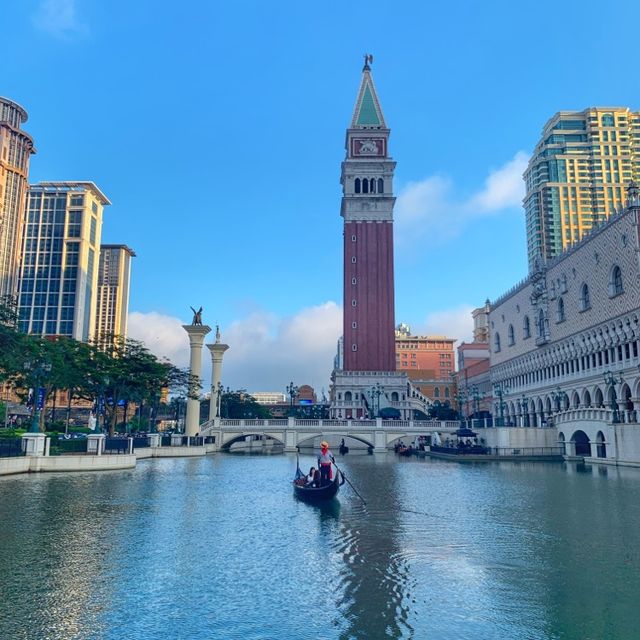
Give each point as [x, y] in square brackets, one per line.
[269, 397]
[565, 343]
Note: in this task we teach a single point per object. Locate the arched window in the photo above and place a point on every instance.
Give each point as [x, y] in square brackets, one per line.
[526, 328]
[511, 335]
[365, 185]
[541, 331]
[380, 185]
[372, 186]
[585, 302]
[446, 392]
[560, 317]
[394, 396]
[615, 282]
[347, 396]
[436, 392]
[496, 342]
[354, 347]
[357, 185]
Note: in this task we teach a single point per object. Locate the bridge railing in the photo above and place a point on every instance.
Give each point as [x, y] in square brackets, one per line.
[305, 423]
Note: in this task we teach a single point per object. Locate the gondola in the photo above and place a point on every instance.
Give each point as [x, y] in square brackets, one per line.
[343, 449]
[317, 494]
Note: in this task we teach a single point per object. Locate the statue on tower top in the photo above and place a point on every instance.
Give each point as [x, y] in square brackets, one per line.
[368, 59]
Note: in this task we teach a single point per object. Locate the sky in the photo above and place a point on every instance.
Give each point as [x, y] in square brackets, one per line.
[217, 131]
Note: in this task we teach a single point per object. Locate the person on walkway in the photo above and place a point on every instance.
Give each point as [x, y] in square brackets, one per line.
[324, 462]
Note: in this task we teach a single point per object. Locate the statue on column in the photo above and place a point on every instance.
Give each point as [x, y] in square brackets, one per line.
[197, 317]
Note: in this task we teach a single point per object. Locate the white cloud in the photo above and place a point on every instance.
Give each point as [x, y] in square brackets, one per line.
[58, 18]
[430, 208]
[265, 353]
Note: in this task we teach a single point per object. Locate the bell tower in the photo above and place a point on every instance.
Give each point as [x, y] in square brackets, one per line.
[367, 209]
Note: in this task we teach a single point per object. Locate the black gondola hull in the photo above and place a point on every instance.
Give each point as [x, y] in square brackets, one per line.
[319, 494]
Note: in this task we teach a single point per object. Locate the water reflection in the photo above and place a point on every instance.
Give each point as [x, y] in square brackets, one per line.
[218, 547]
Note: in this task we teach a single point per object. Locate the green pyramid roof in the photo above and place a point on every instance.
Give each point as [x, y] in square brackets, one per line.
[367, 112]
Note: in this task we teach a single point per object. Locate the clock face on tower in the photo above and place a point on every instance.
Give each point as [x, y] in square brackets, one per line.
[371, 147]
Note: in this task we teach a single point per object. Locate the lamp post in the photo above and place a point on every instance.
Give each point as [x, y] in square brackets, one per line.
[558, 395]
[376, 391]
[500, 389]
[38, 371]
[476, 396]
[460, 397]
[611, 380]
[292, 391]
[525, 411]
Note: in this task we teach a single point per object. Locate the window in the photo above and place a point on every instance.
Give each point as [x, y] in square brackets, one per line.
[615, 282]
[446, 392]
[354, 281]
[353, 238]
[354, 303]
[496, 342]
[365, 185]
[354, 347]
[357, 185]
[526, 328]
[353, 259]
[585, 303]
[380, 185]
[436, 392]
[512, 335]
[354, 325]
[347, 396]
[560, 316]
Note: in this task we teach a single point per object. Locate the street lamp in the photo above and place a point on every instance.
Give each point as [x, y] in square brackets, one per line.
[501, 389]
[558, 395]
[460, 397]
[219, 390]
[38, 371]
[376, 391]
[611, 380]
[292, 391]
[525, 413]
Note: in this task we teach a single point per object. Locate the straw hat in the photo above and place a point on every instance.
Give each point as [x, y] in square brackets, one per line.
[324, 444]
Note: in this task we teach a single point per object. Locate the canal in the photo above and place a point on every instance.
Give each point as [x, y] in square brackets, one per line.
[218, 547]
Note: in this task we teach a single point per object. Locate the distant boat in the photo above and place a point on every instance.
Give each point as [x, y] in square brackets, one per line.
[316, 494]
[343, 449]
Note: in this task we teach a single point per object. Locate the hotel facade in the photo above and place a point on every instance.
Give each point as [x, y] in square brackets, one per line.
[577, 176]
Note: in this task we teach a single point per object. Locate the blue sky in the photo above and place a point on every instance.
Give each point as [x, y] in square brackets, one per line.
[217, 130]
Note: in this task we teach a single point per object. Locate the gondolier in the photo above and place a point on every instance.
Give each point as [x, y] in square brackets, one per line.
[324, 462]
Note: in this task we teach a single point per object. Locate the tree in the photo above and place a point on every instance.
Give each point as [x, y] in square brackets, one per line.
[239, 404]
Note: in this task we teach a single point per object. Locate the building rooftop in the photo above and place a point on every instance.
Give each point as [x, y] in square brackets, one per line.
[74, 185]
[130, 251]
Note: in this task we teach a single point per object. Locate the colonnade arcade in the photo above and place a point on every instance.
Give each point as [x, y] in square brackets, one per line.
[598, 368]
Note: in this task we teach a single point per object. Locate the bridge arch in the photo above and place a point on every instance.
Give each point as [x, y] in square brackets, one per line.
[308, 438]
[601, 445]
[241, 437]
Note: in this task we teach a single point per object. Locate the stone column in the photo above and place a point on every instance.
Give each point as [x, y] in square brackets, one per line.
[217, 352]
[196, 333]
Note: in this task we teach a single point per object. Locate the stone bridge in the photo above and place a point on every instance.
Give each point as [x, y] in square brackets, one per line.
[292, 432]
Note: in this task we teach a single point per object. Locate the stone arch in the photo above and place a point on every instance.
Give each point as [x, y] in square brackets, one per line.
[564, 402]
[575, 400]
[586, 398]
[547, 406]
[347, 396]
[394, 396]
[581, 443]
[563, 445]
[239, 437]
[601, 445]
[598, 398]
[612, 396]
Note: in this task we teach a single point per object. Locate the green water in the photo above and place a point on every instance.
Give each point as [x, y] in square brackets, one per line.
[218, 547]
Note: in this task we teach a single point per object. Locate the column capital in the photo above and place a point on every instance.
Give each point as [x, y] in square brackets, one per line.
[196, 332]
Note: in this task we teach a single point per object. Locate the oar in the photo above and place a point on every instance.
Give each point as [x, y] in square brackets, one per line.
[347, 479]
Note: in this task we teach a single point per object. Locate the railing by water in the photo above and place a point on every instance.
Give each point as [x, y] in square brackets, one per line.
[11, 447]
[478, 450]
[116, 445]
[62, 447]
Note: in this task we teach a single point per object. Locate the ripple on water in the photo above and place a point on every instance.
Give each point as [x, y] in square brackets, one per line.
[219, 548]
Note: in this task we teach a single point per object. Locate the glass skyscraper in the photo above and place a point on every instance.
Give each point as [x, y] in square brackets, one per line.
[577, 175]
[58, 281]
[16, 147]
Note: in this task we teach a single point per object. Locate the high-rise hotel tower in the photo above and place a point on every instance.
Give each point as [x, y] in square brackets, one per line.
[16, 147]
[577, 175]
[58, 282]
